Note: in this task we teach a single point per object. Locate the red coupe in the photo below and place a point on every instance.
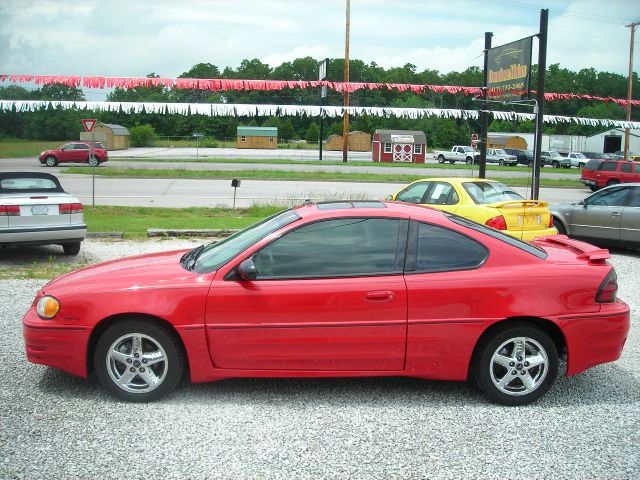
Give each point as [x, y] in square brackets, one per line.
[352, 288]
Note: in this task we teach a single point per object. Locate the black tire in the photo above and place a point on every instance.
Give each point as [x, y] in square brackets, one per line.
[556, 164]
[440, 158]
[50, 161]
[559, 226]
[468, 161]
[580, 165]
[93, 161]
[124, 351]
[498, 353]
[612, 182]
[593, 188]
[501, 163]
[452, 161]
[71, 248]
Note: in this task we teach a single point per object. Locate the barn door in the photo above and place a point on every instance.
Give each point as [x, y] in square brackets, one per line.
[402, 152]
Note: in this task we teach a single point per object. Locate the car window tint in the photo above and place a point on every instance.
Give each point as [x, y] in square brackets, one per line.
[440, 249]
[635, 198]
[413, 193]
[625, 168]
[442, 193]
[333, 248]
[490, 192]
[611, 197]
[609, 166]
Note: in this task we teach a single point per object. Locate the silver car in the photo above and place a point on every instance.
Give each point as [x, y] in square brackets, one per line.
[610, 216]
[35, 210]
[499, 156]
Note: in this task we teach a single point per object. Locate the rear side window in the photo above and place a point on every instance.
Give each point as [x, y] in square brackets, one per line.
[592, 165]
[442, 193]
[438, 249]
[27, 184]
[625, 168]
[609, 166]
[635, 199]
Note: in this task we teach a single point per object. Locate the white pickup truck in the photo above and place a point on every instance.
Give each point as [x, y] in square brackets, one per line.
[460, 153]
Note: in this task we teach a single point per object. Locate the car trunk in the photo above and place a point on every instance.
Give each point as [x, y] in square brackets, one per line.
[523, 215]
[40, 210]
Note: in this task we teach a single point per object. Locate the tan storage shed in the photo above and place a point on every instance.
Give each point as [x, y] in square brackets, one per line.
[257, 137]
[507, 141]
[358, 142]
[113, 137]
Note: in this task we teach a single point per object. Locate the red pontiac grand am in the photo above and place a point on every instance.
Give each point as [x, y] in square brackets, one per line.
[338, 289]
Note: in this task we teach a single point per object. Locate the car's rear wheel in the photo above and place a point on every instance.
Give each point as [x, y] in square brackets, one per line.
[50, 161]
[138, 360]
[501, 163]
[559, 226]
[516, 365]
[580, 165]
[93, 161]
[593, 188]
[71, 248]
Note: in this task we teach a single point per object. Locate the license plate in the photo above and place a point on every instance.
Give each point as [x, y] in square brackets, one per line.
[40, 210]
[588, 182]
[529, 220]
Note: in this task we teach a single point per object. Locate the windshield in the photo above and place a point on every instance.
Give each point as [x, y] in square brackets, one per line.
[214, 255]
[554, 154]
[468, 149]
[490, 192]
[579, 155]
[500, 151]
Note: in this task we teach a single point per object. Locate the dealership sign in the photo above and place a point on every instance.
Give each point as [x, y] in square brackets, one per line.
[509, 72]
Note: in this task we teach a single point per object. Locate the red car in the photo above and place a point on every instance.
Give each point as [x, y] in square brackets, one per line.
[92, 153]
[339, 289]
[602, 173]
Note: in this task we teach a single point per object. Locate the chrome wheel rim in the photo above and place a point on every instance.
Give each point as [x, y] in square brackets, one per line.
[519, 366]
[50, 162]
[137, 363]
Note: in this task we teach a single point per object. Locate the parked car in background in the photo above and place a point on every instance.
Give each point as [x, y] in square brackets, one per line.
[596, 156]
[554, 159]
[338, 289]
[601, 173]
[524, 157]
[458, 153]
[91, 153]
[35, 210]
[499, 156]
[578, 159]
[610, 216]
[484, 201]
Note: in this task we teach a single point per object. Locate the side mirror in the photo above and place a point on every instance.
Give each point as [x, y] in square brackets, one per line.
[247, 270]
[390, 198]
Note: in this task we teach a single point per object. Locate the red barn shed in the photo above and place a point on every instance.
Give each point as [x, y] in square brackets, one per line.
[399, 146]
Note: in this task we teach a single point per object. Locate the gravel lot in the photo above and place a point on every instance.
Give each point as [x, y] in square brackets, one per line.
[58, 426]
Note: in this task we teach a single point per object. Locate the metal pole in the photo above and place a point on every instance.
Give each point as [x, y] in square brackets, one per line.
[321, 125]
[631, 26]
[93, 171]
[345, 126]
[542, 67]
[484, 113]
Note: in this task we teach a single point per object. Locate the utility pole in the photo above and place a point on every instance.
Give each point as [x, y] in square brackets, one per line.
[484, 113]
[345, 123]
[632, 27]
[542, 67]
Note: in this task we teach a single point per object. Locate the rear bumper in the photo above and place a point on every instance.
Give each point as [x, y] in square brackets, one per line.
[595, 338]
[59, 346]
[43, 235]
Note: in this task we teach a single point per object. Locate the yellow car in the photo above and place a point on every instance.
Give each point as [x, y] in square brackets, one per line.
[483, 201]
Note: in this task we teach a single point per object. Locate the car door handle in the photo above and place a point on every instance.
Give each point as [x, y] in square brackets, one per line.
[615, 214]
[379, 296]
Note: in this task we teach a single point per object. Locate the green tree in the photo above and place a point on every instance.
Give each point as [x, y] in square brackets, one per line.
[142, 135]
[313, 133]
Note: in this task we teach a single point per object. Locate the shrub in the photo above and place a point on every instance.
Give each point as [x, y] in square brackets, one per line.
[142, 136]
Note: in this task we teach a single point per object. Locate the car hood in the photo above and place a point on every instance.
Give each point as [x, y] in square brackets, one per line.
[157, 270]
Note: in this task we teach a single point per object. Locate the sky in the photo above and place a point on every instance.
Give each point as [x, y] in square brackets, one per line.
[133, 38]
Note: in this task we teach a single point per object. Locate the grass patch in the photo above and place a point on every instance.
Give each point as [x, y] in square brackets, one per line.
[293, 175]
[134, 221]
[39, 270]
[12, 148]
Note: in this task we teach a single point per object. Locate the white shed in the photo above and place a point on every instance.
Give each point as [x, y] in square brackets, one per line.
[613, 141]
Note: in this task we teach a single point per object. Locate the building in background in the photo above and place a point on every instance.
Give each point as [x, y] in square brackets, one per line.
[613, 141]
[257, 137]
[504, 141]
[407, 146]
[113, 137]
[358, 142]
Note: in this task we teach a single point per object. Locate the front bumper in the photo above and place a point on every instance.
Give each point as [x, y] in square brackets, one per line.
[60, 346]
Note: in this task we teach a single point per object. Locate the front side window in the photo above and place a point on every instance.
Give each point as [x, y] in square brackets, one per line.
[344, 247]
[442, 193]
[490, 192]
[81, 146]
[611, 197]
[438, 249]
[413, 193]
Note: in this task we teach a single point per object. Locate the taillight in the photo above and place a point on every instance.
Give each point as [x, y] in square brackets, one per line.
[497, 222]
[9, 210]
[608, 291]
[550, 221]
[70, 208]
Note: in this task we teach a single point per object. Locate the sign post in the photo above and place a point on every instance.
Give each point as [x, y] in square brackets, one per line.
[322, 75]
[235, 183]
[89, 124]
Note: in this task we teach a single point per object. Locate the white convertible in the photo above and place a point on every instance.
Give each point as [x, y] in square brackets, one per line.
[35, 210]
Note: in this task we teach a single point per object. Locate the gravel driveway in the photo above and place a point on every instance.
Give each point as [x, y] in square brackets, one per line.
[58, 426]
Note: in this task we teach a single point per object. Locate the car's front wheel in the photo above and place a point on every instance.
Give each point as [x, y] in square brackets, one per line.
[440, 158]
[50, 161]
[516, 365]
[138, 360]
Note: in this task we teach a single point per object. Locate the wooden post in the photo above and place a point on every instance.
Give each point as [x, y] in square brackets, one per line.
[631, 26]
[345, 123]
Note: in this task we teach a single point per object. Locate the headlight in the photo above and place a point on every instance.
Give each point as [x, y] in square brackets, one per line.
[48, 307]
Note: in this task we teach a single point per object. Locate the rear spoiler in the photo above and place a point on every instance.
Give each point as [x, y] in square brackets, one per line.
[519, 204]
[585, 251]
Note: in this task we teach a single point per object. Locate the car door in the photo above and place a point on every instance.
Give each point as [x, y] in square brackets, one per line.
[630, 219]
[599, 215]
[413, 193]
[328, 296]
[441, 195]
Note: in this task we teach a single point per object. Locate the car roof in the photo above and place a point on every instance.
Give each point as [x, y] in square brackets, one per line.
[455, 179]
[374, 208]
[18, 175]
